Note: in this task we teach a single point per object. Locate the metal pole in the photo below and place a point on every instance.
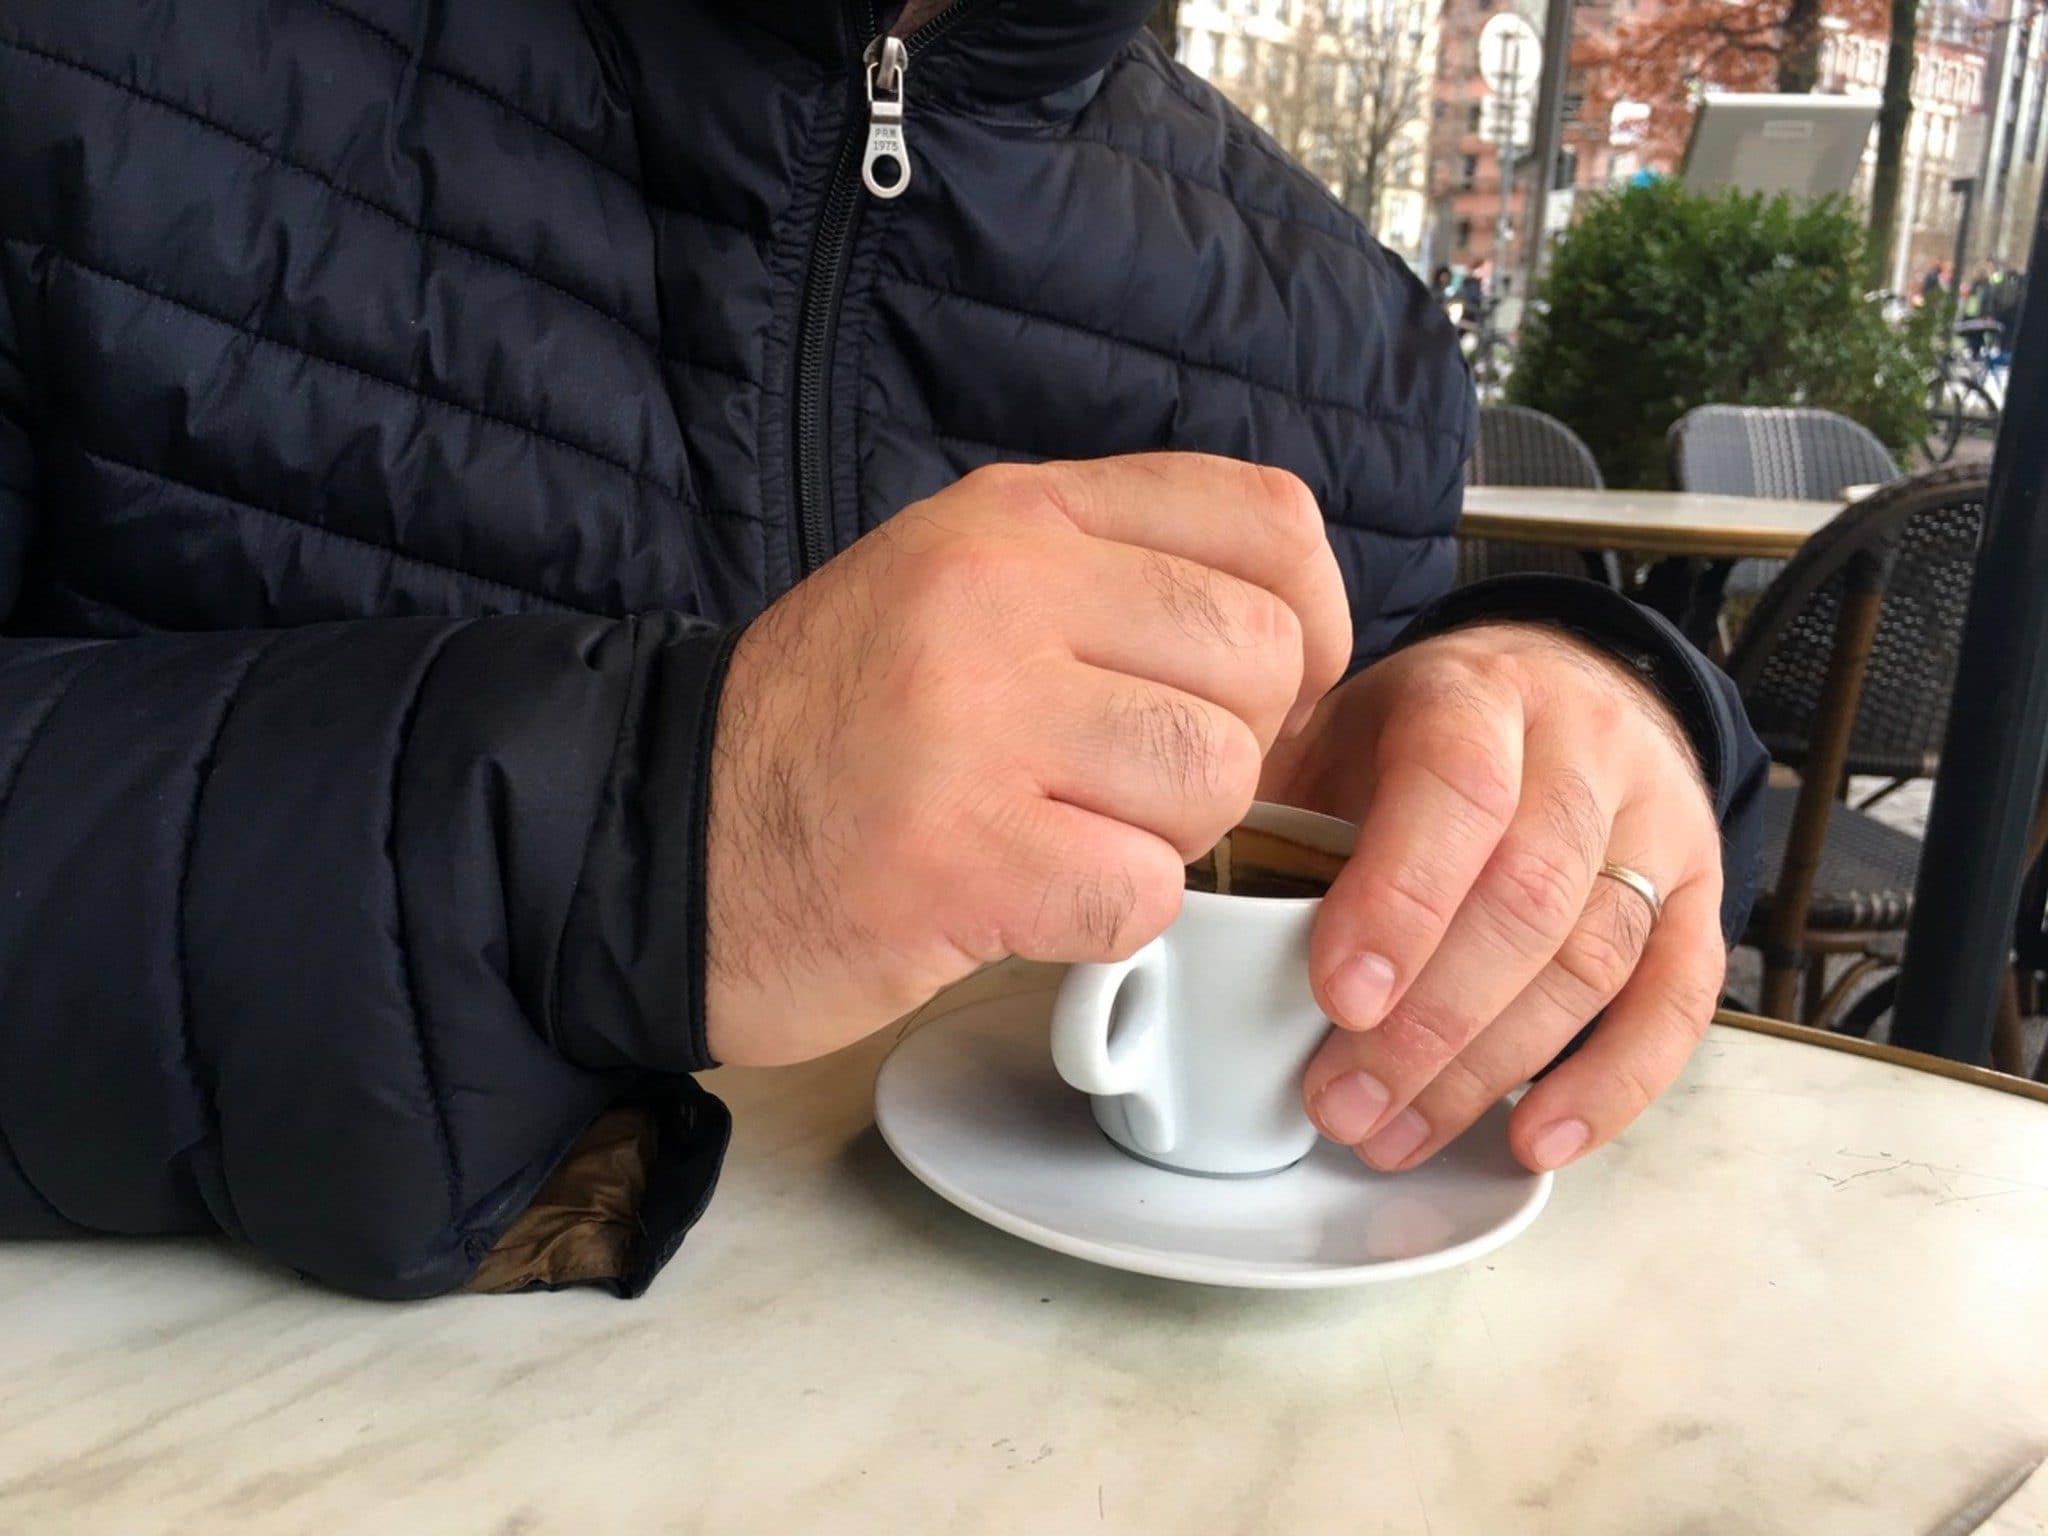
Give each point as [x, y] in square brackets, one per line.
[1996, 756]
[1966, 187]
[1504, 153]
[1557, 64]
[1994, 118]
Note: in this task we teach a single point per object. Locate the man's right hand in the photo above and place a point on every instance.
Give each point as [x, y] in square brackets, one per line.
[1001, 725]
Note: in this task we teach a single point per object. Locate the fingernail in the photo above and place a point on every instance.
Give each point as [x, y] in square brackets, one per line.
[1397, 1143]
[1556, 1145]
[1350, 1106]
[1359, 989]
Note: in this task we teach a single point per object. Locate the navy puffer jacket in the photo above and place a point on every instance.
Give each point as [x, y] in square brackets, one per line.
[402, 402]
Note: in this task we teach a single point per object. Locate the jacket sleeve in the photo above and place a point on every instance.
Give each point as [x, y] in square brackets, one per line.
[337, 938]
[1699, 693]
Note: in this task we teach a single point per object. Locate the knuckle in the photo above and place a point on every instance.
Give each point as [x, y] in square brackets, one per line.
[1188, 595]
[1276, 628]
[1159, 884]
[1572, 811]
[1239, 764]
[1462, 1085]
[1603, 952]
[1689, 1003]
[1116, 910]
[1632, 1091]
[1530, 897]
[1475, 774]
[1177, 738]
[1014, 487]
[1102, 903]
[953, 573]
[1290, 506]
[1422, 1037]
[1415, 899]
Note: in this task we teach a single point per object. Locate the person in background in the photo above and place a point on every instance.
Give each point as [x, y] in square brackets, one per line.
[545, 547]
[1473, 292]
[2007, 300]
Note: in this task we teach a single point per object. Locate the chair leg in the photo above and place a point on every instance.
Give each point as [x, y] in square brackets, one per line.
[1781, 991]
[2008, 1044]
[1816, 988]
[1784, 938]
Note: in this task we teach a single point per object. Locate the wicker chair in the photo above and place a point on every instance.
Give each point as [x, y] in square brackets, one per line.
[1801, 455]
[1744, 450]
[1518, 446]
[1847, 666]
[2030, 942]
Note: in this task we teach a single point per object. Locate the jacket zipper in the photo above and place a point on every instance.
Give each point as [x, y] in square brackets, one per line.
[872, 152]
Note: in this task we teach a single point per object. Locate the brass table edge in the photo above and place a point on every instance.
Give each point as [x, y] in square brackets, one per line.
[1716, 543]
[1935, 1066]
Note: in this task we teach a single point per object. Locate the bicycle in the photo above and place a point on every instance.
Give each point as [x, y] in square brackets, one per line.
[1490, 354]
[1966, 393]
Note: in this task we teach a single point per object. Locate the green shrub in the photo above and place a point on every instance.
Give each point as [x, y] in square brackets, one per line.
[1659, 301]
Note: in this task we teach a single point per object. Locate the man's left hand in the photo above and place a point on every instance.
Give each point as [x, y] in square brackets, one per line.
[1493, 770]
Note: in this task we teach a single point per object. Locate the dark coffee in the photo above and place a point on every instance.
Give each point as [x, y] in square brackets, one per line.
[1254, 862]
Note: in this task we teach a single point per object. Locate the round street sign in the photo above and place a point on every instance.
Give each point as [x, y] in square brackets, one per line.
[1509, 48]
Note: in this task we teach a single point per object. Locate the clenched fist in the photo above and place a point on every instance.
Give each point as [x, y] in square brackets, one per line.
[1000, 725]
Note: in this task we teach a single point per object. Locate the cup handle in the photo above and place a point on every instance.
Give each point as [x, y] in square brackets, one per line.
[1129, 995]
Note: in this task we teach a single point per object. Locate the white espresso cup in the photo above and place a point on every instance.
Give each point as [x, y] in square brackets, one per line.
[1192, 1050]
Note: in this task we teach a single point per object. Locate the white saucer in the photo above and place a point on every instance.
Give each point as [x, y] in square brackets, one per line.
[971, 1105]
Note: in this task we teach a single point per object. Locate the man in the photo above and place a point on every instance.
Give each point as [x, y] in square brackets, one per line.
[1473, 291]
[407, 413]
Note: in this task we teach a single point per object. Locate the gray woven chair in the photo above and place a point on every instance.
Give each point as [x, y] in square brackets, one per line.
[1749, 450]
[1518, 446]
[1847, 666]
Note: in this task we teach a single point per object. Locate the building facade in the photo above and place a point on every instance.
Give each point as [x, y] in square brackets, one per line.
[1345, 86]
[1944, 141]
[1955, 90]
[1479, 146]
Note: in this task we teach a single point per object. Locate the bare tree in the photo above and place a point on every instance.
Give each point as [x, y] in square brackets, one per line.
[1165, 22]
[1799, 42]
[1352, 86]
[1894, 118]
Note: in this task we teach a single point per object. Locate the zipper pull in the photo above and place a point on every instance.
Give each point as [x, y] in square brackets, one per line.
[885, 168]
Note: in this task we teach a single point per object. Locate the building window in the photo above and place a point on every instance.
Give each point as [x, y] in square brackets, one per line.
[1475, 117]
[1464, 234]
[1468, 171]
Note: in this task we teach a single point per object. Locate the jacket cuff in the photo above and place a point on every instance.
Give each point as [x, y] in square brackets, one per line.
[631, 985]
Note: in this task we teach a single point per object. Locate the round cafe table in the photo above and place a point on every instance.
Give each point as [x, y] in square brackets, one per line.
[1710, 531]
[1652, 522]
[1807, 1293]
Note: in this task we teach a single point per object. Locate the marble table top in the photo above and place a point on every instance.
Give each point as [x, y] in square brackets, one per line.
[1808, 1293]
[1660, 522]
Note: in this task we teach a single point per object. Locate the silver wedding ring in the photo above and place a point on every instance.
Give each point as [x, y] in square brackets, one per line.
[1638, 882]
